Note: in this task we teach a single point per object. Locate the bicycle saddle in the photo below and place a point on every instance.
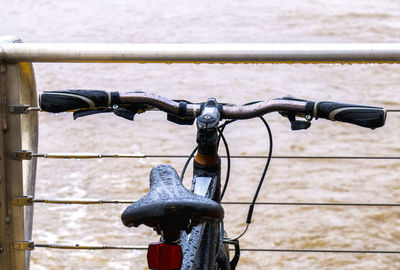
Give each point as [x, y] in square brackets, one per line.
[169, 205]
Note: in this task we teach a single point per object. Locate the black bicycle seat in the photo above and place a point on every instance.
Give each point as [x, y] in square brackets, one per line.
[169, 205]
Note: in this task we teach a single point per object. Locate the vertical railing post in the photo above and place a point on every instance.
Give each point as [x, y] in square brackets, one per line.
[17, 178]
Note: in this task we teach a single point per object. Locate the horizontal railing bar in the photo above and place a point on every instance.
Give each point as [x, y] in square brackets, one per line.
[118, 155]
[202, 53]
[100, 201]
[97, 247]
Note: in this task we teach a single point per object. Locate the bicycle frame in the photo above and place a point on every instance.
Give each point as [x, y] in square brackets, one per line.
[201, 245]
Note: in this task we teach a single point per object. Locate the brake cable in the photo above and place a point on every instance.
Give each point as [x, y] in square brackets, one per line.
[228, 165]
[221, 129]
[251, 208]
[187, 162]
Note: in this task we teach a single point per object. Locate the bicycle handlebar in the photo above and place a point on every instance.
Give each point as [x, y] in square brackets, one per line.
[67, 100]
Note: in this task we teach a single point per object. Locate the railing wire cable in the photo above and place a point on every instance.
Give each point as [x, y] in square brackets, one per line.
[101, 247]
[322, 251]
[116, 155]
[38, 109]
[100, 201]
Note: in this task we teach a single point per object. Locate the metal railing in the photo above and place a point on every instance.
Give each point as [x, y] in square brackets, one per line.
[194, 53]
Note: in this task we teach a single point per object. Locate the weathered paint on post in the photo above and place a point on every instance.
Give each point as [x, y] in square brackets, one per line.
[17, 178]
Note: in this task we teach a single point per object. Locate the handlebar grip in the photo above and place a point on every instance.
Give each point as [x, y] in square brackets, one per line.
[67, 100]
[364, 116]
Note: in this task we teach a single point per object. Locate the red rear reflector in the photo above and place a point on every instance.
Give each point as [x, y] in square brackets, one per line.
[162, 256]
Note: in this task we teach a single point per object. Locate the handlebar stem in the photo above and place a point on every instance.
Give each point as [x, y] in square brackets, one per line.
[207, 126]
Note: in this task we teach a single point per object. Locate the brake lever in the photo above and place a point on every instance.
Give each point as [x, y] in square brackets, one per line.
[124, 113]
[130, 112]
[296, 124]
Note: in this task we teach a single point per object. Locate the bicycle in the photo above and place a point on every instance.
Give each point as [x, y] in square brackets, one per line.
[190, 222]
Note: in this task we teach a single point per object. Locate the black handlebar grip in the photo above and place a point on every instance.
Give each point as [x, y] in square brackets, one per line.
[364, 116]
[67, 100]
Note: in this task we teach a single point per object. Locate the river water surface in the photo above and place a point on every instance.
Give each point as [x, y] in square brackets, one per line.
[294, 180]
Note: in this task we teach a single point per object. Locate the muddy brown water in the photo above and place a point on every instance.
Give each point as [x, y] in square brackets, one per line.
[298, 180]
